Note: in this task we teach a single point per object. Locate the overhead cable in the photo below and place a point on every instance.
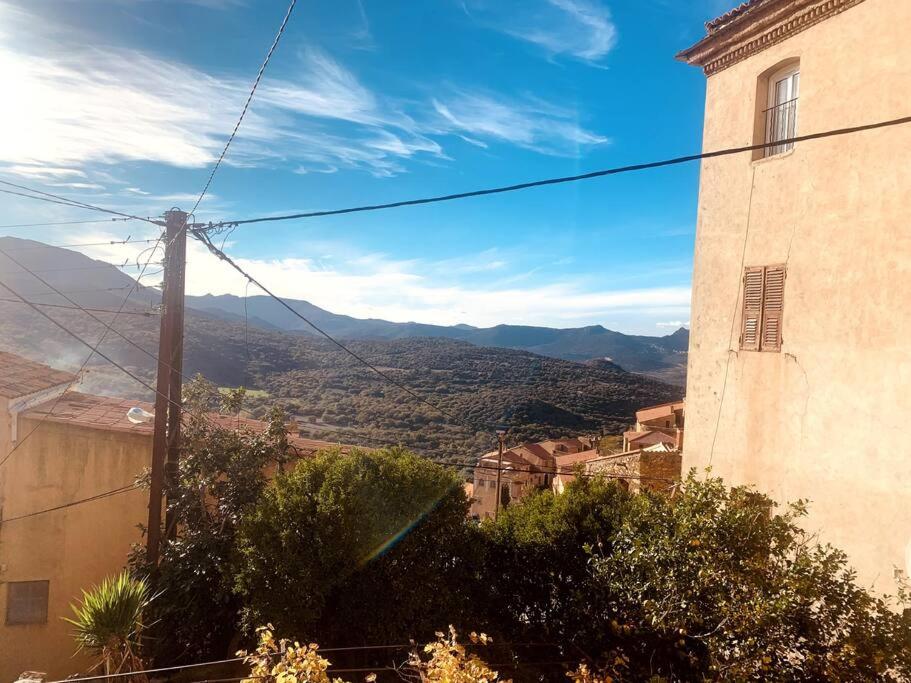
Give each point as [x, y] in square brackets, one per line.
[259, 75]
[47, 196]
[560, 180]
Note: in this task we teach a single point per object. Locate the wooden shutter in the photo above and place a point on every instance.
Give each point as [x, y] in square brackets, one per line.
[772, 306]
[752, 308]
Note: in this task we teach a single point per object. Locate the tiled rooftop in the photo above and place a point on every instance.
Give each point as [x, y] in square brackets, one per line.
[728, 17]
[110, 414]
[21, 377]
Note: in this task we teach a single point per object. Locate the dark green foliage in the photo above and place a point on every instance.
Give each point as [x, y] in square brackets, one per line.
[537, 558]
[707, 584]
[713, 583]
[222, 474]
[366, 547]
[376, 547]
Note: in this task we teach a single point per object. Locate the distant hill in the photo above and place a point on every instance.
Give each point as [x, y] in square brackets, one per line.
[329, 393]
[661, 357]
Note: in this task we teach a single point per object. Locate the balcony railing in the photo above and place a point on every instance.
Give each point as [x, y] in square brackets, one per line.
[780, 124]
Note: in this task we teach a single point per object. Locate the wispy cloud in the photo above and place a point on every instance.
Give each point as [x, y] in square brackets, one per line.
[675, 324]
[530, 123]
[582, 29]
[73, 106]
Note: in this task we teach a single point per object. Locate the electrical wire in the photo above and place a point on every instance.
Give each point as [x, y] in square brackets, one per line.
[94, 350]
[147, 314]
[235, 660]
[202, 237]
[132, 288]
[564, 179]
[41, 199]
[73, 202]
[46, 225]
[106, 494]
[106, 266]
[243, 113]
[83, 244]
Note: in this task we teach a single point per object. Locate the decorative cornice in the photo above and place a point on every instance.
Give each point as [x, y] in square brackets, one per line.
[755, 27]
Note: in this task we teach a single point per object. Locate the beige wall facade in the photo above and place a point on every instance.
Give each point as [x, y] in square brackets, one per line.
[797, 423]
[73, 548]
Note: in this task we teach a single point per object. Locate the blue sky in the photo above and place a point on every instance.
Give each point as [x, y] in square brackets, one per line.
[126, 103]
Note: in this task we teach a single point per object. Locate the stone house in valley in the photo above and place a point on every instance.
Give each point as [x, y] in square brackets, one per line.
[800, 321]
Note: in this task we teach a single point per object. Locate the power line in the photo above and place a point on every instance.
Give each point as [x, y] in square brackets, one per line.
[73, 202]
[564, 179]
[106, 494]
[106, 266]
[234, 660]
[75, 246]
[45, 225]
[201, 236]
[147, 314]
[41, 199]
[77, 338]
[106, 289]
[262, 69]
[88, 358]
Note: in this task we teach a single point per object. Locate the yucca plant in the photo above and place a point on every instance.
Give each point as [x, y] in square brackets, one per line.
[108, 622]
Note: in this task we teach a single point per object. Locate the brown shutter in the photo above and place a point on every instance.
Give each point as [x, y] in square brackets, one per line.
[772, 306]
[752, 308]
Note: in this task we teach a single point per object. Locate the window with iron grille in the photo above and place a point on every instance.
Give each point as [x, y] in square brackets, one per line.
[763, 306]
[781, 111]
[26, 602]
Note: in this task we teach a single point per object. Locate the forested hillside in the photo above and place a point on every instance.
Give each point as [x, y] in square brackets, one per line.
[327, 391]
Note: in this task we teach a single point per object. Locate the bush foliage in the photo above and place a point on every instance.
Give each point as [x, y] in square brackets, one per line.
[375, 547]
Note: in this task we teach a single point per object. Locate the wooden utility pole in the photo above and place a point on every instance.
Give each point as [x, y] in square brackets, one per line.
[501, 435]
[166, 437]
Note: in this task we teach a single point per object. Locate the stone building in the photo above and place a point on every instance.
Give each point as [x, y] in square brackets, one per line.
[800, 321]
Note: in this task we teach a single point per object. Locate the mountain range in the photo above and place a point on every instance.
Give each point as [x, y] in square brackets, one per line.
[467, 372]
[660, 357]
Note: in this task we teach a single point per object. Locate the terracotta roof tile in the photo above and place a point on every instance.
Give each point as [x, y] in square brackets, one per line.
[110, 414]
[21, 377]
[728, 17]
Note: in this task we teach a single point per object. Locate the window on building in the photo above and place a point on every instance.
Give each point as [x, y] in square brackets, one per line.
[763, 305]
[26, 602]
[781, 108]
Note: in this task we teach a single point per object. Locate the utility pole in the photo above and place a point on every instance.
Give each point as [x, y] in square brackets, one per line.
[166, 435]
[501, 435]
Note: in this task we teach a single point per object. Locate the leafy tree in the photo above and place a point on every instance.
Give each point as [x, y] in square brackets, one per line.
[537, 555]
[711, 583]
[363, 547]
[223, 471]
[108, 622]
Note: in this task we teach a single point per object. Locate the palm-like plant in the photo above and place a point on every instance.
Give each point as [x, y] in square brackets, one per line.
[108, 622]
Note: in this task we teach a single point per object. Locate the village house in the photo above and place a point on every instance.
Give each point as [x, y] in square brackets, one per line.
[800, 319]
[524, 468]
[650, 458]
[85, 447]
[661, 424]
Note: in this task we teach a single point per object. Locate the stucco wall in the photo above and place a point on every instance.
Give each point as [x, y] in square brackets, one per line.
[73, 548]
[822, 419]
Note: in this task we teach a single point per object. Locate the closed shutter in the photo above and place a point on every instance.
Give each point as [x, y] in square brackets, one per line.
[772, 306]
[752, 308]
